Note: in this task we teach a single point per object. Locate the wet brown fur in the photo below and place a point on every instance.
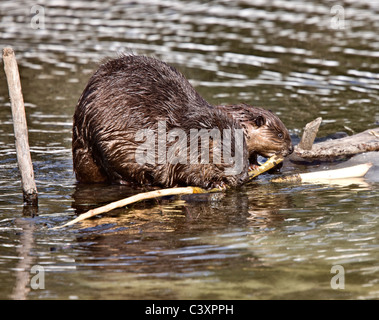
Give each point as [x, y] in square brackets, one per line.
[133, 92]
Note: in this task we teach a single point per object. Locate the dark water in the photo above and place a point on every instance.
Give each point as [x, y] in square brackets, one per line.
[263, 241]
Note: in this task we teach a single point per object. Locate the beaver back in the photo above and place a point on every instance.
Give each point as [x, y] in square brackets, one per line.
[134, 93]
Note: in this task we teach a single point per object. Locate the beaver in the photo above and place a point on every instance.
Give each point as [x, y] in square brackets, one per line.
[131, 102]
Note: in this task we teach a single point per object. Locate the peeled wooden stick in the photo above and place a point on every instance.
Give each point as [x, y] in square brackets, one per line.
[269, 164]
[133, 199]
[20, 128]
[357, 171]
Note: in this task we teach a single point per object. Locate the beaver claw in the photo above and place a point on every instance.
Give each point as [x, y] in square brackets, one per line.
[222, 186]
[253, 166]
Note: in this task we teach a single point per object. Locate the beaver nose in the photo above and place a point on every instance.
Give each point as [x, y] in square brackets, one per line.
[288, 151]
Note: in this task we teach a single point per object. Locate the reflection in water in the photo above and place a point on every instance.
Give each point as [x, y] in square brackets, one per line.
[260, 241]
[148, 237]
[21, 287]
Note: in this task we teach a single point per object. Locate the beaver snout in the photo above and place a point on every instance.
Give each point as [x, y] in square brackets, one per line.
[286, 152]
[290, 149]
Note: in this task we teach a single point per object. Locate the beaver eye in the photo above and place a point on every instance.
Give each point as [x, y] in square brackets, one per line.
[280, 135]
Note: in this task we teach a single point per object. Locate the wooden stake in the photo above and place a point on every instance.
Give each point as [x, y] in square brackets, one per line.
[20, 128]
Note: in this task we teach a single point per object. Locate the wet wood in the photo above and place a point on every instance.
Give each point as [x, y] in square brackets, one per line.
[269, 164]
[357, 171]
[309, 134]
[340, 148]
[20, 128]
[133, 199]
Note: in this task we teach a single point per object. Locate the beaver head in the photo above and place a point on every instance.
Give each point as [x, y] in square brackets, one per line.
[265, 133]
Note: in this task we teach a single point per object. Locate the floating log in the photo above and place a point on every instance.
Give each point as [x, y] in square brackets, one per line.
[339, 148]
[20, 128]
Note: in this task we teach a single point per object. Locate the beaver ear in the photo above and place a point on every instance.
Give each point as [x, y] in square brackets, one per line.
[260, 121]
